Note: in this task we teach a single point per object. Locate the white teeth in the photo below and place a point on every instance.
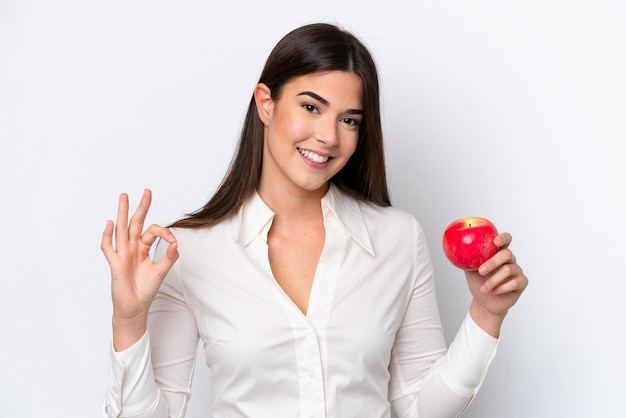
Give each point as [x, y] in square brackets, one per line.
[316, 158]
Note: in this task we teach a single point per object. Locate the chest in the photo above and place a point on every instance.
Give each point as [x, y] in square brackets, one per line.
[249, 327]
[293, 257]
[247, 320]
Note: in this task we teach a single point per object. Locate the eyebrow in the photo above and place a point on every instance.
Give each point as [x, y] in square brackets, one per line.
[326, 102]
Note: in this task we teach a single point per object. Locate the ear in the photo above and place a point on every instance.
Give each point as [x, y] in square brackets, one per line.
[264, 103]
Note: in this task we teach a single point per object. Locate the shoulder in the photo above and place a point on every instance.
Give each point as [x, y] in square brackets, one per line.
[387, 217]
[348, 208]
[205, 239]
[192, 235]
[393, 226]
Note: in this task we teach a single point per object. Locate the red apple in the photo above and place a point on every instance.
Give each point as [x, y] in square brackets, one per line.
[468, 242]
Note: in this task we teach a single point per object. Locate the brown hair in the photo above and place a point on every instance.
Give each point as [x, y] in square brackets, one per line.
[313, 48]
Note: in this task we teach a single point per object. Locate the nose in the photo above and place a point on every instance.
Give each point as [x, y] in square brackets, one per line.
[327, 132]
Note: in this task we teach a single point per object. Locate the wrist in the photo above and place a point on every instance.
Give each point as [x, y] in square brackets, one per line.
[488, 321]
[127, 331]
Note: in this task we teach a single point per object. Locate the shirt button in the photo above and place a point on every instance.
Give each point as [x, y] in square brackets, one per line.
[114, 389]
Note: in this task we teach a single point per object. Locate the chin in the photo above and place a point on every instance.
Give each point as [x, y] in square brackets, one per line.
[315, 186]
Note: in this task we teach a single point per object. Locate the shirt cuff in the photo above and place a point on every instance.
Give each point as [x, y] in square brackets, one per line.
[131, 380]
[465, 366]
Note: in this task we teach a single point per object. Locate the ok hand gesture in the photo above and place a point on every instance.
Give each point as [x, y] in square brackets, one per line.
[135, 277]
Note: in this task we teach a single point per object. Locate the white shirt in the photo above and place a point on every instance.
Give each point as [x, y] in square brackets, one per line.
[371, 337]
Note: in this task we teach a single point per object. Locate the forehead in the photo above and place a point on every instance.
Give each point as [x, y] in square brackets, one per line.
[336, 87]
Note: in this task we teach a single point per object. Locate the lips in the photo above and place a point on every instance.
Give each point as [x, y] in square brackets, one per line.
[312, 156]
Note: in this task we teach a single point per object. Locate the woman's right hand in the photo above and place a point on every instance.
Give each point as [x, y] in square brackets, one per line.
[135, 278]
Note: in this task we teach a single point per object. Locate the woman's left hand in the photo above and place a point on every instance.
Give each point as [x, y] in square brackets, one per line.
[496, 285]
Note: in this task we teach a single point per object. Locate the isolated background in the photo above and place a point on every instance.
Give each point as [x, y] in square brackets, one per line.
[510, 110]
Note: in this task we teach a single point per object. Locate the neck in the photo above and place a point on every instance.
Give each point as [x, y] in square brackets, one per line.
[294, 204]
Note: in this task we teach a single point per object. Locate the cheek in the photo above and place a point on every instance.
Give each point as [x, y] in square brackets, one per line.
[349, 146]
[292, 128]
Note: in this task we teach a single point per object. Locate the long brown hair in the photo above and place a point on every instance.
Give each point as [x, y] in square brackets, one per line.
[313, 48]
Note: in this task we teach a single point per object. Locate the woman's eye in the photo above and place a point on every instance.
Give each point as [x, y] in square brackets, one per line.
[309, 107]
[351, 121]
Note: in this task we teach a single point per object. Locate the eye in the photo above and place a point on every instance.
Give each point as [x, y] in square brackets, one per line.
[351, 122]
[310, 108]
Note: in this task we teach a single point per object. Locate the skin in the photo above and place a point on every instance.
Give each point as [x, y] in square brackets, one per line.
[318, 114]
[135, 278]
[495, 287]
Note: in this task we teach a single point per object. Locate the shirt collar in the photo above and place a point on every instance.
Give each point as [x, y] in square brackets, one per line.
[255, 217]
[348, 213]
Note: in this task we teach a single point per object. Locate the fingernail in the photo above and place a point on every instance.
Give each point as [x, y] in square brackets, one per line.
[483, 270]
[484, 289]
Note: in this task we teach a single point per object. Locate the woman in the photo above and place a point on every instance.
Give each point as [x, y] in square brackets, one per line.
[311, 294]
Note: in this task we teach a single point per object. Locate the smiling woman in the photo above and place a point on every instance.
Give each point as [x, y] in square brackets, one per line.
[312, 122]
[311, 294]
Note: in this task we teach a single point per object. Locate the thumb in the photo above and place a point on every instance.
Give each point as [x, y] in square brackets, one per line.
[167, 261]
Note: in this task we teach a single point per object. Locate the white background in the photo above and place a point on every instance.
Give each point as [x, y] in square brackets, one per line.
[514, 111]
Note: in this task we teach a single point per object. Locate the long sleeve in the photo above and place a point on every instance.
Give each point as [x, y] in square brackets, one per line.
[152, 379]
[428, 380]
[132, 389]
[372, 329]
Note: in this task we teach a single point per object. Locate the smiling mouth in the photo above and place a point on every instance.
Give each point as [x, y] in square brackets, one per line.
[310, 155]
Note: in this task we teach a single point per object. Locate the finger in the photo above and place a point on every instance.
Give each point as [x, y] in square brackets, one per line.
[515, 284]
[171, 254]
[166, 263]
[121, 224]
[503, 256]
[503, 240]
[139, 217]
[156, 231]
[502, 275]
[106, 245]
